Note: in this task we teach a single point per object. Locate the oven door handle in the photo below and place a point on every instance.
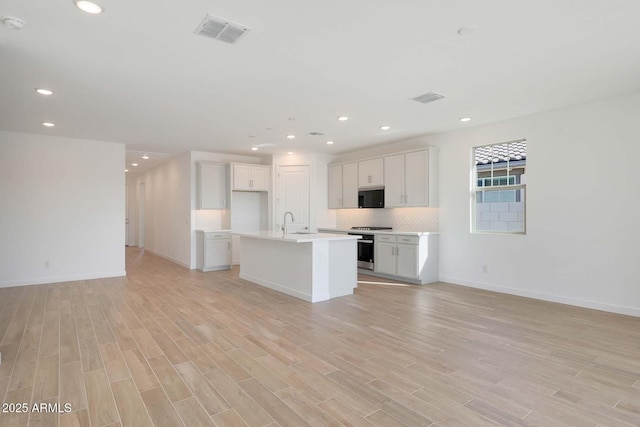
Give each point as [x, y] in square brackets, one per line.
[365, 241]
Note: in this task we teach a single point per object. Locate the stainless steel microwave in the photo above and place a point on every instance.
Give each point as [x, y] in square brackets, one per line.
[371, 198]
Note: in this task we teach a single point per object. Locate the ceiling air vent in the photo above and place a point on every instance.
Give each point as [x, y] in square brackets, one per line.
[221, 29]
[428, 97]
[316, 133]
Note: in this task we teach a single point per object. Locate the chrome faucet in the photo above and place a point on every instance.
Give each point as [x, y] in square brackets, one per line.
[284, 223]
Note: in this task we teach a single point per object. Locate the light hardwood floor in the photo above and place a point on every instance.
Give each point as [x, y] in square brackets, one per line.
[170, 347]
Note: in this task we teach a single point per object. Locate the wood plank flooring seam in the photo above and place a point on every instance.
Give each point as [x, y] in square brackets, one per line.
[131, 375]
[36, 367]
[100, 354]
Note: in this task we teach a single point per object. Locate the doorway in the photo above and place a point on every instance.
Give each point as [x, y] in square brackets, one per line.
[127, 196]
[141, 215]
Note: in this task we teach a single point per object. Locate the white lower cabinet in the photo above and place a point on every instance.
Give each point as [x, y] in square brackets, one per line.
[397, 255]
[214, 250]
[407, 257]
[385, 255]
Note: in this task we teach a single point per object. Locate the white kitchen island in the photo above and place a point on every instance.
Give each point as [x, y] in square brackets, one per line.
[313, 267]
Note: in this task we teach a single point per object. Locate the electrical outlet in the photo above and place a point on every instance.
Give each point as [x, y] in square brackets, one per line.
[485, 269]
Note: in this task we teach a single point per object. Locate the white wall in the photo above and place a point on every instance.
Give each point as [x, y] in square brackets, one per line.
[61, 209]
[583, 202]
[167, 213]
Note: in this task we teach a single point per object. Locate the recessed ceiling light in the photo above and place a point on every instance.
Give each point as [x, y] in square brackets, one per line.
[254, 148]
[134, 164]
[290, 152]
[343, 118]
[465, 119]
[48, 124]
[329, 142]
[146, 156]
[44, 91]
[126, 170]
[291, 136]
[89, 7]
[385, 127]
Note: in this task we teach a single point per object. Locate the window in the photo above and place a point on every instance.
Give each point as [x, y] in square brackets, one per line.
[498, 202]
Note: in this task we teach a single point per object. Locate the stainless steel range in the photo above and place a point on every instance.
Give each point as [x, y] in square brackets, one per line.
[366, 245]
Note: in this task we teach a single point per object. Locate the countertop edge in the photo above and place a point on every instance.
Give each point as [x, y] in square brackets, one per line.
[392, 232]
[295, 238]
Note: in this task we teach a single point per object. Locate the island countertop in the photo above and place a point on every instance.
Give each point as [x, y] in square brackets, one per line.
[295, 237]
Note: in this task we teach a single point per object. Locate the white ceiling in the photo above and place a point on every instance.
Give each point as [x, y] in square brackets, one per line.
[137, 74]
[143, 165]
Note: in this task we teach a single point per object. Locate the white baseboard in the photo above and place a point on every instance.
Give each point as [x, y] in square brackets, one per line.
[612, 308]
[58, 279]
[167, 257]
[276, 287]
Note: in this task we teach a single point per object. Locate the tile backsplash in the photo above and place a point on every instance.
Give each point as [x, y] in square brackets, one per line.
[401, 219]
[208, 219]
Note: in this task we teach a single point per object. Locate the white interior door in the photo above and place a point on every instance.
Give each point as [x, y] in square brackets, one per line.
[293, 196]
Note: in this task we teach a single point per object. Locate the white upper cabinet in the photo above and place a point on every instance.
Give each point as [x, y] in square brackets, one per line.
[411, 179]
[350, 185]
[417, 179]
[212, 185]
[394, 181]
[335, 187]
[371, 173]
[343, 186]
[247, 177]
